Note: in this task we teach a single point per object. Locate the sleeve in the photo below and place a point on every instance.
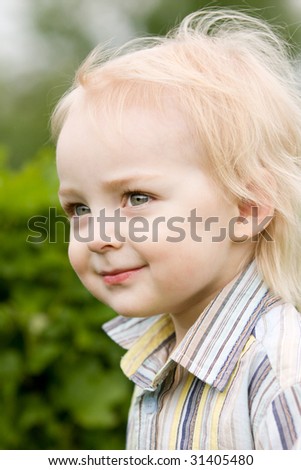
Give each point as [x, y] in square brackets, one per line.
[280, 428]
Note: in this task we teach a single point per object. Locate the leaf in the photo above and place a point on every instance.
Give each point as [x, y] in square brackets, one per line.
[92, 395]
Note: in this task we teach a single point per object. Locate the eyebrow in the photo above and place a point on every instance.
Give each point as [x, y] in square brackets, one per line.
[126, 180]
[114, 183]
[67, 192]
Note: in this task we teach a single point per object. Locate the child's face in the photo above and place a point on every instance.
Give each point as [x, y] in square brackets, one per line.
[150, 170]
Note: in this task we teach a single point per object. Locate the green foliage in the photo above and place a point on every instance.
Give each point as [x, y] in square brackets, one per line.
[169, 13]
[61, 387]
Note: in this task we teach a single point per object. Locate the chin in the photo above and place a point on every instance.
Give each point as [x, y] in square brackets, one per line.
[133, 312]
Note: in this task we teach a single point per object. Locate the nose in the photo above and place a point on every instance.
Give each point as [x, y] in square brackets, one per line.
[97, 245]
[106, 235]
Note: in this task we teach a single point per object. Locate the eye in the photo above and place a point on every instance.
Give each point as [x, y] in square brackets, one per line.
[137, 199]
[80, 210]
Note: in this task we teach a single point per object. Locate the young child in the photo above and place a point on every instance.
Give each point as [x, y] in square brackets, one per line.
[179, 168]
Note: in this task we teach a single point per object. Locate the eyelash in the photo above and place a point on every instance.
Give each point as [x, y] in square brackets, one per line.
[69, 207]
[130, 192]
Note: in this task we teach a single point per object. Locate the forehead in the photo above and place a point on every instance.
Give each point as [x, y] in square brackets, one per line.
[132, 128]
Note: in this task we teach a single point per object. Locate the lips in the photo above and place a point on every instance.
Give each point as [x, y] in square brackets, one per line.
[119, 276]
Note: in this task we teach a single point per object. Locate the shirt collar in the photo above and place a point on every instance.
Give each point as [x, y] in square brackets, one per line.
[212, 346]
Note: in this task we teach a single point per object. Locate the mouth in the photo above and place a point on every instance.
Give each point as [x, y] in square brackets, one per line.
[119, 276]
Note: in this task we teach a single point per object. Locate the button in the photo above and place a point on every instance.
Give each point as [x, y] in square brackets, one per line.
[150, 403]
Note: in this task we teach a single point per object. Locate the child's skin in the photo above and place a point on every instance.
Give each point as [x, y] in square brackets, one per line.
[155, 156]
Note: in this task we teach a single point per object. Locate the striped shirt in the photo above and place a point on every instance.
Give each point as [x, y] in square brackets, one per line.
[234, 382]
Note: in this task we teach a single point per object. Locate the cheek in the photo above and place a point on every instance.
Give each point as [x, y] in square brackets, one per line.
[77, 256]
[181, 263]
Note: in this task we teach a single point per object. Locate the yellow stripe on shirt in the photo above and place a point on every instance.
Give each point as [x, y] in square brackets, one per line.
[140, 351]
[220, 400]
[178, 412]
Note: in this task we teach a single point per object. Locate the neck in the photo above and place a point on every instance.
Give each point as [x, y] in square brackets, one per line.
[186, 317]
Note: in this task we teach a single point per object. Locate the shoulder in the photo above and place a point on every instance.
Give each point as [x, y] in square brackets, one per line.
[275, 379]
[278, 335]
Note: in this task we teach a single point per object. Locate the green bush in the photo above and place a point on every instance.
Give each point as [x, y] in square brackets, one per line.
[61, 387]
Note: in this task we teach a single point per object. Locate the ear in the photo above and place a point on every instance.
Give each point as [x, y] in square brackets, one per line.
[253, 218]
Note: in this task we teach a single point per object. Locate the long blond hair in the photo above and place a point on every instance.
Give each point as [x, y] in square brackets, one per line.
[232, 77]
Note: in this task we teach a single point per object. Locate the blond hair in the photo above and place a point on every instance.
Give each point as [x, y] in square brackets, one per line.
[232, 77]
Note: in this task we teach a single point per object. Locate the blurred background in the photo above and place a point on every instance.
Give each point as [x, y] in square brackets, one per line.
[60, 383]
